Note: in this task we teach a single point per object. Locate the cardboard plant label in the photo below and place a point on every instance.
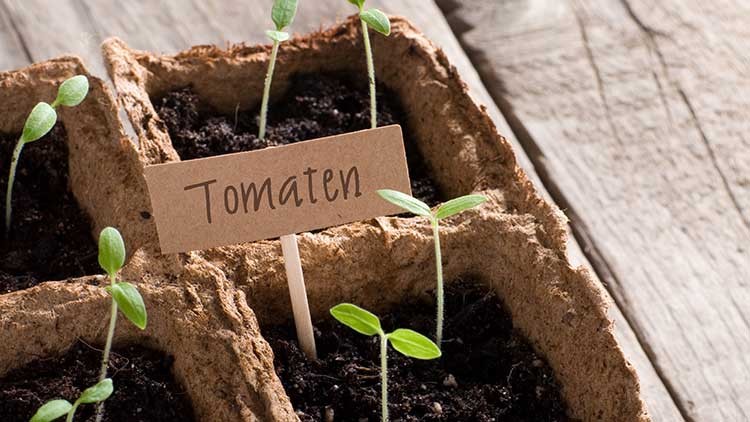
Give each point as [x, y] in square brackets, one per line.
[267, 193]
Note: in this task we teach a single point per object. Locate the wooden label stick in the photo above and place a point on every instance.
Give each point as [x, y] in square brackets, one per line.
[298, 294]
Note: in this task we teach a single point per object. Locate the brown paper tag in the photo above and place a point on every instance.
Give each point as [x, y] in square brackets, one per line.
[263, 194]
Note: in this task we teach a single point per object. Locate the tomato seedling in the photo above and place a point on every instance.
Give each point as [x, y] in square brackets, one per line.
[125, 296]
[452, 207]
[378, 21]
[39, 122]
[407, 342]
[55, 409]
[282, 14]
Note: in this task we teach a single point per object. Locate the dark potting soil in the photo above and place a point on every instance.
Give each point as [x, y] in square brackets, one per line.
[144, 390]
[50, 237]
[488, 371]
[315, 106]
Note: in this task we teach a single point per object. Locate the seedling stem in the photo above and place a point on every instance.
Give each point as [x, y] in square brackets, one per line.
[439, 272]
[11, 179]
[370, 76]
[110, 335]
[267, 90]
[383, 376]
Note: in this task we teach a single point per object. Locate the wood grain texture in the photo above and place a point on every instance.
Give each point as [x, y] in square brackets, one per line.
[172, 25]
[12, 51]
[638, 113]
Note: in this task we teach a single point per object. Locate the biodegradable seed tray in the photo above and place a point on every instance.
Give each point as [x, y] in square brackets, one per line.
[198, 301]
[516, 243]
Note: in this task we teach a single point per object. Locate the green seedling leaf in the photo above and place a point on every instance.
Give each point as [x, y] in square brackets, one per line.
[359, 3]
[278, 36]
[130, 302]
[98, 393]
[406, 202]
[51, 410]
[377, 20]
[40, 121]
[413, 344]
[356, 318]
[283, 12]
[72, 92]
[111, 250]
[455, 206]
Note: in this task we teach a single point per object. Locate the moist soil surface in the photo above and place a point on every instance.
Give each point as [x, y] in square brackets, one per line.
[144, 388]
[488, 371]
[314, 106]
[50, 237]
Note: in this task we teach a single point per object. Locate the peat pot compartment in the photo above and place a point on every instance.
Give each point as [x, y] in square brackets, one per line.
[313, 106]
[200, 357]
[556, 312]
[204, 102]
[55, 335]
[80, 178]
[52, 234]
[515, 382]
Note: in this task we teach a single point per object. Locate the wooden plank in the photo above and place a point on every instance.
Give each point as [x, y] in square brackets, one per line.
[52, 28]
[176, 25]
[14, 54]
[639, 113]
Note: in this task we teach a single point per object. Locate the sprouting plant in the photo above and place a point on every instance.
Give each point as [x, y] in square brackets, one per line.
[40, 121]
[447, 209]
[125, 296]
[379, 22]
[407, 342]
[55, 409]
[282, 14]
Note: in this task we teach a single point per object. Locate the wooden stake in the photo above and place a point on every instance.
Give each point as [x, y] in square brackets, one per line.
[298, 294]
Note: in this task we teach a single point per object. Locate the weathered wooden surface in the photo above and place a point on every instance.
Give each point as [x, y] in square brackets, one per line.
[13, 51]
[638, 113]
[172, 25]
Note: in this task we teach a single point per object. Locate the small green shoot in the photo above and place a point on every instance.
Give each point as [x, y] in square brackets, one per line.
[447, 209]
[125, 296]
[379, 22]
[282, 14]
[39, 122]
[56, 409]
[407, 342]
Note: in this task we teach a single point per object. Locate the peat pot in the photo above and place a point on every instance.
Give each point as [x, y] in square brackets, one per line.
[208, 308]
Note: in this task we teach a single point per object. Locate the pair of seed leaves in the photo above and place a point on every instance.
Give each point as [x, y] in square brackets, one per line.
[58, 408]
[111, 259]
[43, 116]
[445, 210]
[283, 12]
[407, 342]
[374, 18]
